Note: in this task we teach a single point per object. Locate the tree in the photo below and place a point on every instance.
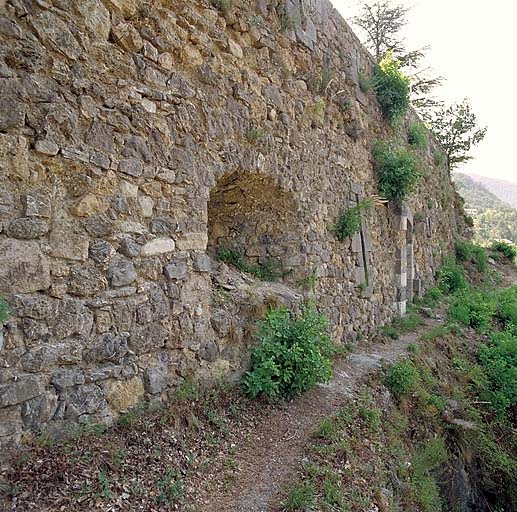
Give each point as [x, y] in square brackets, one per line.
[457, 131]
[382, 22]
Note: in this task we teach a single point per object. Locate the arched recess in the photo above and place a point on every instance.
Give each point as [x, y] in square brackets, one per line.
[250, 212]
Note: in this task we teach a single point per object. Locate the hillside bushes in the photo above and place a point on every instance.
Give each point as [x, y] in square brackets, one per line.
[292, 356]
[509, 251]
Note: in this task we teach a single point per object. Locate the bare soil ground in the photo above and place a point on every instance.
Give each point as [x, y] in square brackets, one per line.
[268, 461]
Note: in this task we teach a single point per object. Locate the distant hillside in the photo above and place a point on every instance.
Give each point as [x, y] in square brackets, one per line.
[477, 195]
[503, 189]
[494, 219]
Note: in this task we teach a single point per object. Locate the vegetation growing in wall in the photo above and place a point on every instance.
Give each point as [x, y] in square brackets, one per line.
[223, 5]
[4, 310]
[366, 83]
[255, 134]
[349, 221]
[267, 270]
[398, 170]
[391, 88]
[439, 158]
[292, 356]
[417, 135]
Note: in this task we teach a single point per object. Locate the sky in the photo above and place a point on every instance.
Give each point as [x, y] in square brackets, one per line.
[473, 44]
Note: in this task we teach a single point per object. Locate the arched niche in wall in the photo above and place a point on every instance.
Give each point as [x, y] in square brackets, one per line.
[250, 212]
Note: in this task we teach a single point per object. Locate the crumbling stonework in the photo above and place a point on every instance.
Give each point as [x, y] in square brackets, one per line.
[136, 139]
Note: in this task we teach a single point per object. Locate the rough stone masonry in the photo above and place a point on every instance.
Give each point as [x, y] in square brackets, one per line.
[137, 139]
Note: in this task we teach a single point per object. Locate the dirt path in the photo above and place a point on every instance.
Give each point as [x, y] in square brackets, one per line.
[269, 460]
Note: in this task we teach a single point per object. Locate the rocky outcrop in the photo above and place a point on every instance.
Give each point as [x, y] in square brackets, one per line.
[137, 139]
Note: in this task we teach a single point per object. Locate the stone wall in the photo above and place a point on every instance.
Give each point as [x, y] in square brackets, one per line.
[136, 140]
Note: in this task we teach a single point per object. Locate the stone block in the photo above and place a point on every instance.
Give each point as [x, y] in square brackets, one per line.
[46, 147]
[66, 378]
[234, 48]
[108, 347]
[14, 156]
[89, 205]
[128, 247]
[86, 399]
[193, 242]
[38, 411]
[101, 252]
[131, 166]
[357, 245]
[23, 267]
[126, 8]
[68, 244]
[155, 379]
[54, 32]
[125, 394]
[176, 270]
[36, 206]
[121, 273]
[27, 228]
[359, 275]
[148, 338]
[86, 281]
[209, 351]
[12, 104]
[127, 37]
[17, 392]
[202, 263]
[95, 17]
[158, 246]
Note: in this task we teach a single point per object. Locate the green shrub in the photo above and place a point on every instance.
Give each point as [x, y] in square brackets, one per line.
[431, 299]
[473, 309]
[401, 378]
[451, 278]
[391, 332]
[366, 83]
[408, 323]
[267, 270]
[293, 354]
[398, 170]
[232, 256]
[349, 221]
[499, 360]
[439, 158]
[391, 88]
[507, 307]
[469, 252]
[506, 249]
[322, 81]
[469, 221]
[223, 5]
[424, 488]
[417, 135]
[4, 310]
[254, 134]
